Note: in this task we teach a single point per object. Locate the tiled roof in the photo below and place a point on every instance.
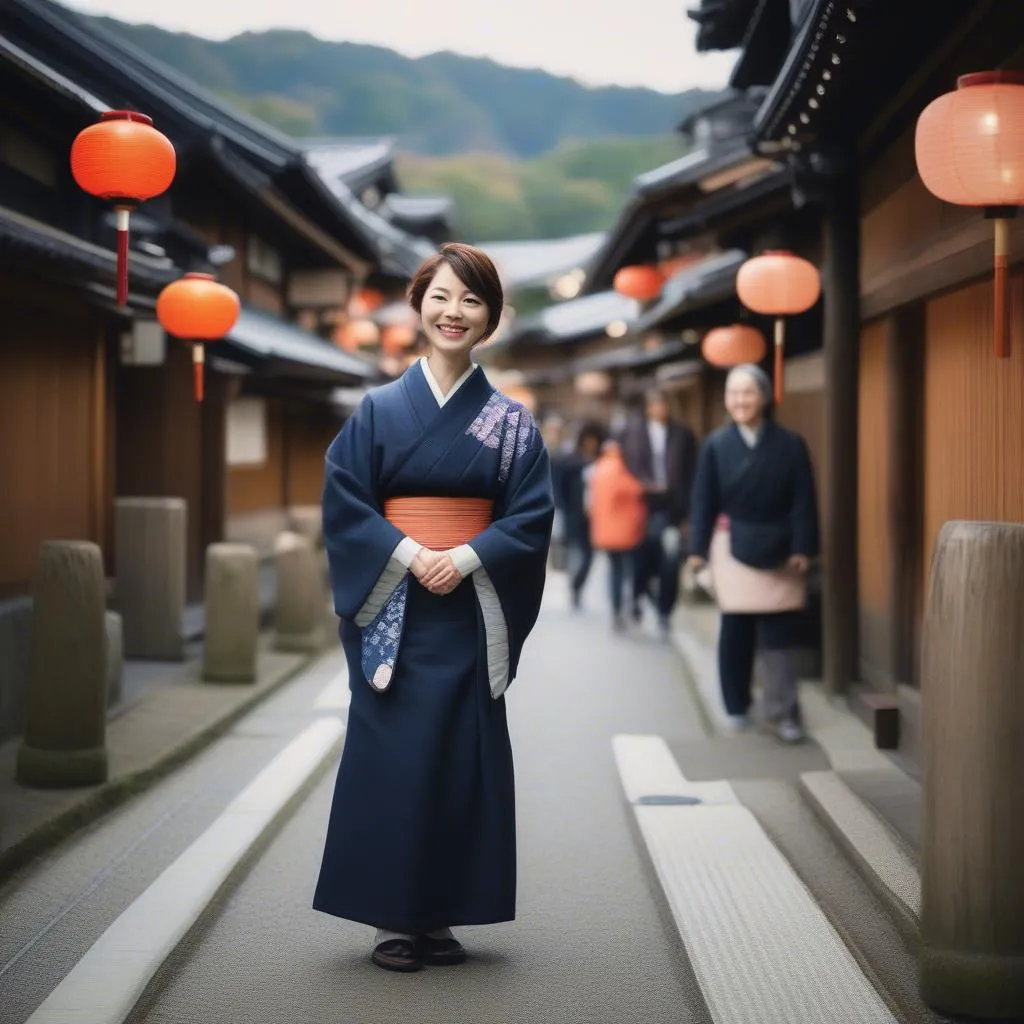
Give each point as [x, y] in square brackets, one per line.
[526, 263]
[271, 338]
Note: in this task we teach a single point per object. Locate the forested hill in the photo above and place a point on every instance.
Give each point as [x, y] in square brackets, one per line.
[438, 105]
[524, 154]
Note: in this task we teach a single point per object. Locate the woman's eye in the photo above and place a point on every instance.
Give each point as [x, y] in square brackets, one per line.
[473, 302]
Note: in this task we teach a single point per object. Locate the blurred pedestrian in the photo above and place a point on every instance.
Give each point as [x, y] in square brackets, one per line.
[552, 432]
[755, 519]
[662, 454]
[571, 500]
[618, 520]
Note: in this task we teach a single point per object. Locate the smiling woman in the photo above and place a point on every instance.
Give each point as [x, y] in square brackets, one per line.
[436, 479]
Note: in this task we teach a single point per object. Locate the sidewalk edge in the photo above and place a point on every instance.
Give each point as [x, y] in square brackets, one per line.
[118, 790]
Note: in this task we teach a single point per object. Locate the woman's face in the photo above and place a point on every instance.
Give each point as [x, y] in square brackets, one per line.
[454, 318]
[743, 400]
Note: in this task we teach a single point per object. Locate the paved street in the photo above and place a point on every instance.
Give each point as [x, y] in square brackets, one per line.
[598, 936]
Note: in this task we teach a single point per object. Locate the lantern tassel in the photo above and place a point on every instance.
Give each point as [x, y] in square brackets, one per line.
[123, 216]
[780, 342]
[1002, 292]
[197, 370]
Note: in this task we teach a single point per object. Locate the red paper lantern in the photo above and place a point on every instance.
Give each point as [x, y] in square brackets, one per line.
[365, 301]
[969, 147]
[396, 338]
[726, 347]
[357, 334]
[124, 160]
[639, 282]
[778, 284]
[197, 308]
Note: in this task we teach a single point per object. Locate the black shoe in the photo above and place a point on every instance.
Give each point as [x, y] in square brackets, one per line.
[441, 952]
[398, 955]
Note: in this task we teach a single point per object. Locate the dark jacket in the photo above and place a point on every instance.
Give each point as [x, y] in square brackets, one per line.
[681, 463]
[569, 498]
[766, 491]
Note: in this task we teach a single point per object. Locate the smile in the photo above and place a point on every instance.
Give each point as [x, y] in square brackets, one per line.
[451, 330]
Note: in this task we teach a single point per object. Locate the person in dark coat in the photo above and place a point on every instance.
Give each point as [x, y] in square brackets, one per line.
[754, 515]
[662, 454]
[569, 499]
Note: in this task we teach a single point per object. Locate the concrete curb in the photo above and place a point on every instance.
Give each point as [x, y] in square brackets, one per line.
[119, 969]
[121, 788]
[875, 852]
[688, 647]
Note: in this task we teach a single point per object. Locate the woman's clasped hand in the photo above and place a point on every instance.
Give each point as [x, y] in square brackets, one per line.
[436, 571]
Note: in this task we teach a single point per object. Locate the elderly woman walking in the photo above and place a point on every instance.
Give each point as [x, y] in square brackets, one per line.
[754, 521]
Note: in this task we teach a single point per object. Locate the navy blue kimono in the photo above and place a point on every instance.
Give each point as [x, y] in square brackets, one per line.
[766, 491]
[422, 827]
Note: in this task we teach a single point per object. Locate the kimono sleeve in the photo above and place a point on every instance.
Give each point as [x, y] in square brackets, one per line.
[513, 550]
[705, 502]
[804, 513]
[360, 542]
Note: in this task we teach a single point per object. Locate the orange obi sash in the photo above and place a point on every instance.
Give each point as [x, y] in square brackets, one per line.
[440, 523]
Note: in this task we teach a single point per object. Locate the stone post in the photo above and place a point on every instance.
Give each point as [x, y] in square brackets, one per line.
[299, 615]
[972, 879]
[66, 712]
[232, 613]
[308, 521]
[151, 567]
[115, 658]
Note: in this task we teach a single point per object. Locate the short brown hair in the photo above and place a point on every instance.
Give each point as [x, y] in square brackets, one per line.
[474, 268]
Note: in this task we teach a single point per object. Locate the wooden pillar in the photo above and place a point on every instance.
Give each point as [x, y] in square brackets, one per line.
[972, 887]
[841, 287]
[904, 342]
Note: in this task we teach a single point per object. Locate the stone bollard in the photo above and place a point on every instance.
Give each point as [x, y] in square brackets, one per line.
[151, 567]
[307, 521]
[232, 613]
[115, 659]
[972, 882]
[299, 615]
[66, 712]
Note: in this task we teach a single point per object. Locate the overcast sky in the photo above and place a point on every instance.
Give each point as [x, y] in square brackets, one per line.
[643, 42]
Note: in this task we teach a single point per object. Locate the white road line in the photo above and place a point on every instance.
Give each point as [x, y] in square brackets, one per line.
[761, 948]
[107, 982]
[648, 769]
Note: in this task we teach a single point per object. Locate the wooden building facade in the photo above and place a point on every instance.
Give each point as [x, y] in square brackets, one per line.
[97, 401]
[929, 425]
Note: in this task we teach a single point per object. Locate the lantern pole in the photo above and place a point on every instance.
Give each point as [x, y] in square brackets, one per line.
[780, 344]
[198, 359]
[1001, 219]
[123, 215]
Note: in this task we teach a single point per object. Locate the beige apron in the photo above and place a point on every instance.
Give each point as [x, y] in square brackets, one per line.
[740, 588]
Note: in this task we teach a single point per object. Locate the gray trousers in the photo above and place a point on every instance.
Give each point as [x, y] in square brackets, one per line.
[737, 644]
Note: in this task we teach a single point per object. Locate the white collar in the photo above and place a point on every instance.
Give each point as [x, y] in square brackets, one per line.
[751, 435]
[435, 388]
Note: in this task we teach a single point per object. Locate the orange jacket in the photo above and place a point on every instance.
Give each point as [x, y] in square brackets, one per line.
[618, 512]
